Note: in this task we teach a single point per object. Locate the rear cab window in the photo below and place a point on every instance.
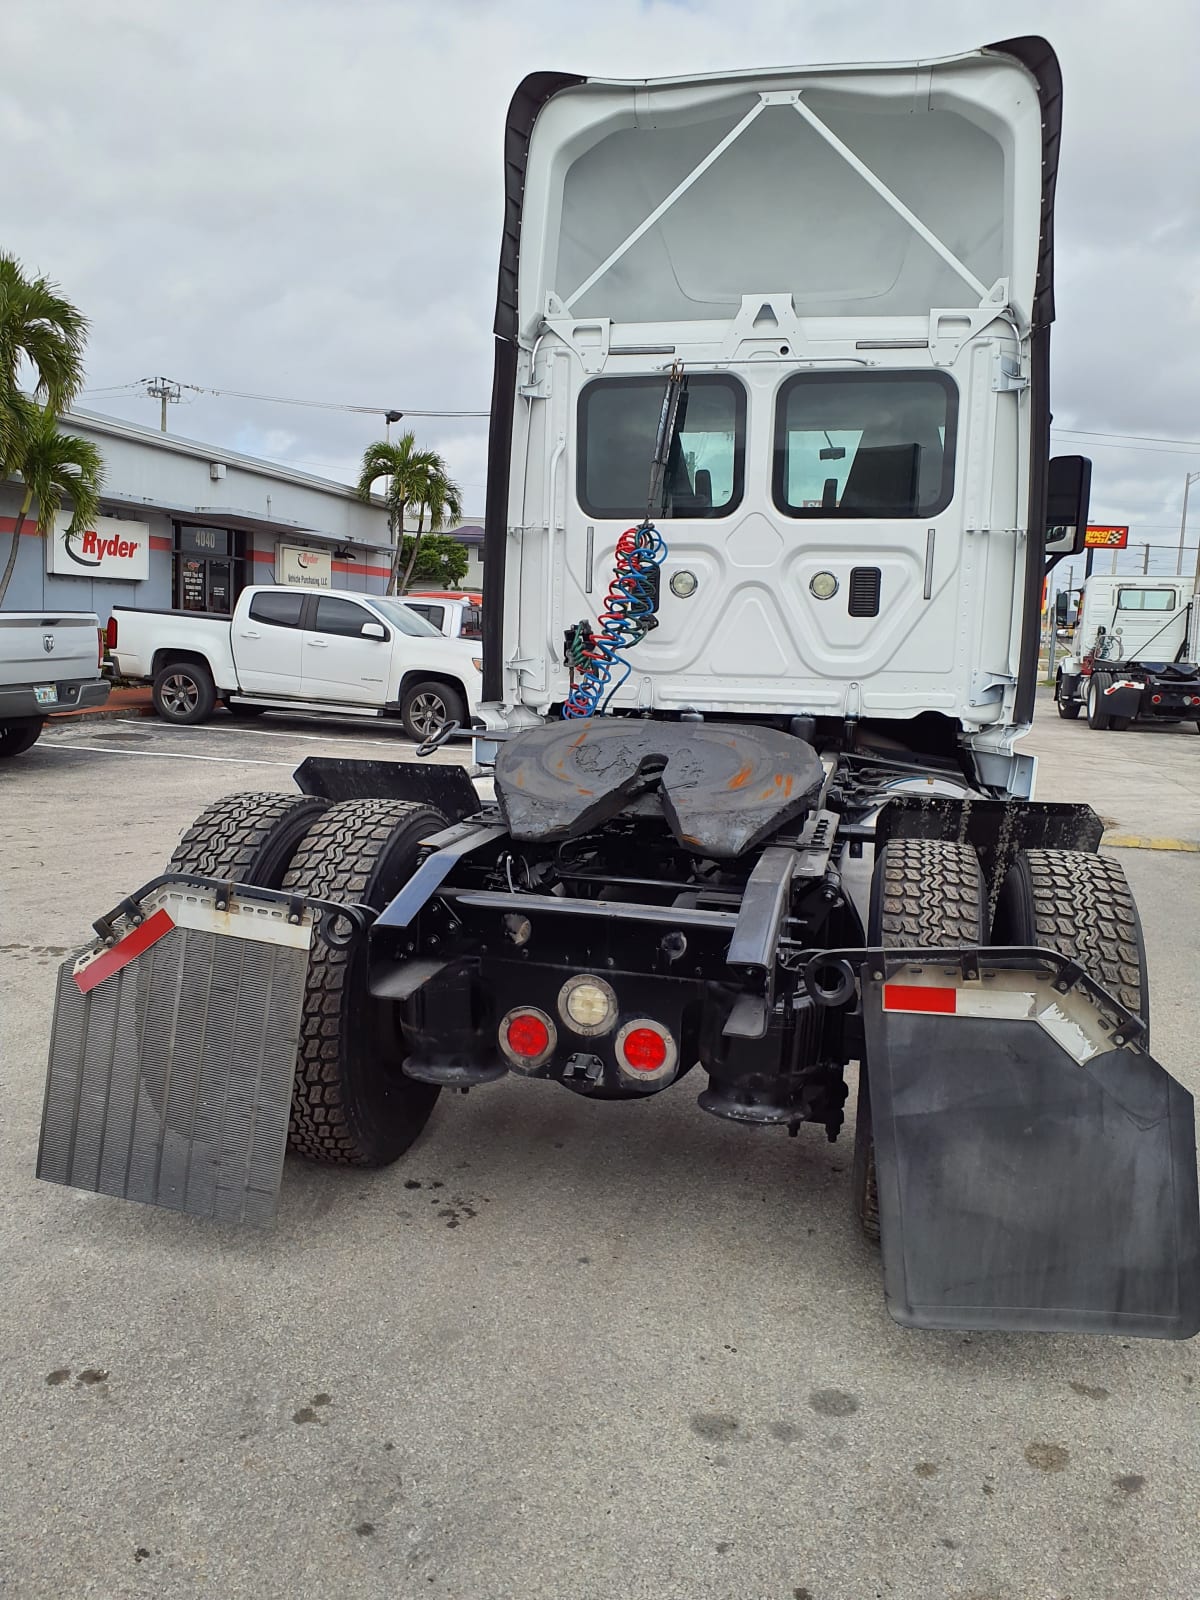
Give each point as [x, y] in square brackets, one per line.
[280, 610]
[617, 427]
[865, 444]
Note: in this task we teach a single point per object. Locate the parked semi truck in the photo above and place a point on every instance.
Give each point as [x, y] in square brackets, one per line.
[770, 509]
[1135, 653]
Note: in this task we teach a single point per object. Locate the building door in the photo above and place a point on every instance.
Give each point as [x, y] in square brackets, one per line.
[209, 569]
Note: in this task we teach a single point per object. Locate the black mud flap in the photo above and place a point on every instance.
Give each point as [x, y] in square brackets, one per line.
[1036, 1170]
[173, 1053]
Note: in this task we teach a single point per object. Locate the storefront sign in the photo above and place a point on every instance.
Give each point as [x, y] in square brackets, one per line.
[303, 569]
[1111, 538]
[112, 548]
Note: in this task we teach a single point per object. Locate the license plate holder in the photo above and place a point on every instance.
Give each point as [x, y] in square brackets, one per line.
[46, 694]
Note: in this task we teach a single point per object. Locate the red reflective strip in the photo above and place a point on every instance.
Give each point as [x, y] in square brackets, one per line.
[918, 997]
[130, 947]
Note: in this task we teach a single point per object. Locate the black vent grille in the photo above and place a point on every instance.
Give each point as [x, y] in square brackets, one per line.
[864, 592]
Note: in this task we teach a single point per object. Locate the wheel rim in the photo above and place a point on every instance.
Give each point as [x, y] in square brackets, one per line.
[428, 713]
[180, 694]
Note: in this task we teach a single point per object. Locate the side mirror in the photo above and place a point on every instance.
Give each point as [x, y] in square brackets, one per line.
[1061, 601]
[373, 630]
[1068, 496]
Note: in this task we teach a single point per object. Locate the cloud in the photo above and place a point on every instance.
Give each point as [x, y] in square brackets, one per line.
[303, 197]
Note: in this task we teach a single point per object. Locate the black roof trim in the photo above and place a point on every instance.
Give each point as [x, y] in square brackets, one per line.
[523, 109]
[1037, 56]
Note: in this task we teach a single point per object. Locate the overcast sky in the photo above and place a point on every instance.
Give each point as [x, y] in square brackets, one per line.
[303, 198]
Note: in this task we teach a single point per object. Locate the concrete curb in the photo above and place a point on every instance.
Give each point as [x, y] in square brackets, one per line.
[83, 719]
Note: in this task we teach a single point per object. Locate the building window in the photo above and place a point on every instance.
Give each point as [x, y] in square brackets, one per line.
[210, 566]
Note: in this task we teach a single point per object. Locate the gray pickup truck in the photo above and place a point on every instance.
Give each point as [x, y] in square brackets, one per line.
[49, 661]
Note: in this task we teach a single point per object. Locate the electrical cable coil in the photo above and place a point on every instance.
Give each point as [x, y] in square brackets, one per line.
[622, 623]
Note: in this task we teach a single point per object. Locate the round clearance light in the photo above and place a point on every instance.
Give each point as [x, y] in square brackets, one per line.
[646, 1052]
[684, 584]
[587, 1005]
[527, 1038]
[823, 586]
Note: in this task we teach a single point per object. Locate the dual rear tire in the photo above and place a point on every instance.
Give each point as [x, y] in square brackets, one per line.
[351, 1103]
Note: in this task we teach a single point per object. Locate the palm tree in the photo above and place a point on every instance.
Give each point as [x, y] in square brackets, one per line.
[53, 466]
[407, 470]
[442, 498]
[39, 326]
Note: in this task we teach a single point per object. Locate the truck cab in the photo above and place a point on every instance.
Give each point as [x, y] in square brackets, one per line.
[1134, 653]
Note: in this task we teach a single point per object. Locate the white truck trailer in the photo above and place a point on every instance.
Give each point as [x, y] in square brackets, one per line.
[770, 509]
[1134, 654]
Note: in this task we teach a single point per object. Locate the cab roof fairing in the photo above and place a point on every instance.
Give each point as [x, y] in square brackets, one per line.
[958, 140]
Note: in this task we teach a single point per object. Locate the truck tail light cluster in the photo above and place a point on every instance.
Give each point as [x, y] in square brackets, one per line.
[100, 641]
[112, 633]
[1156, 699]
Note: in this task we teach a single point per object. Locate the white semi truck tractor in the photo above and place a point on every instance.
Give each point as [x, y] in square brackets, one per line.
[770, 508]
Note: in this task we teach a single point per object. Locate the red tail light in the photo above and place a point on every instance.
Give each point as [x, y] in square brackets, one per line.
[112, 633]
[1156, 699]
[646, 1052]
[527, 1038]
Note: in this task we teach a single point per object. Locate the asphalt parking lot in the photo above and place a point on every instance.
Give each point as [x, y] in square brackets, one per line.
[563, 1350]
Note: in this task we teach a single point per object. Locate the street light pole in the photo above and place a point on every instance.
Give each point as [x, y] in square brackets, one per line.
[1192, 477]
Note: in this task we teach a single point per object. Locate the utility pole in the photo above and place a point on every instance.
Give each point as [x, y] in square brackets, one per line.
[163, 389]
[1192, 477]
[1145, 559]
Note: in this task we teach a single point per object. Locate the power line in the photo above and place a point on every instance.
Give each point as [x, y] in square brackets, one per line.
[1148, 443]
[286, 400]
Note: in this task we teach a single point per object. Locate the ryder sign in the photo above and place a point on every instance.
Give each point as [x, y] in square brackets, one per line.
[113, 548]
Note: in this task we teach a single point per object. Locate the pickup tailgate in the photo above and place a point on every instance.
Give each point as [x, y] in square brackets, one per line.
[48, 647]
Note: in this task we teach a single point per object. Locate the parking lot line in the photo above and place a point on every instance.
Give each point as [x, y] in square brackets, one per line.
[166, 755]
[400, 741]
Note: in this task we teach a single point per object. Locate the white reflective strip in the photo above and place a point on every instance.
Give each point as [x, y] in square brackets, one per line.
[1065, 1031]
[1003, 1004]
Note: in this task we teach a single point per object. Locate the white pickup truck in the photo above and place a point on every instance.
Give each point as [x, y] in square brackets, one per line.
[49, 661]
[294, 650]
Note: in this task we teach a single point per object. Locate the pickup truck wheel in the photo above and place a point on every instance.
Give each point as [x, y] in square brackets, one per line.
[924, 892]
[184, 692]
[1096, 714]
[247, 838]
[352, 1105]
[17, 737]
[427, 707]
[1081, 905]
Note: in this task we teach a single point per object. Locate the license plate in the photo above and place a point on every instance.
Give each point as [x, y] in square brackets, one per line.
[46, 694]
